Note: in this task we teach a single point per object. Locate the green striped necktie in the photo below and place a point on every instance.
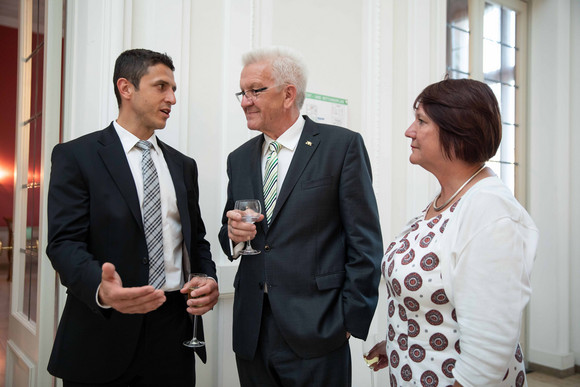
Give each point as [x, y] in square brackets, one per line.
[271, 179]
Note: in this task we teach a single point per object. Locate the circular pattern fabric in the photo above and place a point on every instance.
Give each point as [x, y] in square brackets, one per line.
[429, 379]
[411, 304]
[408, 258]
[447, 367]
[439, 297]
[406, 373]
[423, 343]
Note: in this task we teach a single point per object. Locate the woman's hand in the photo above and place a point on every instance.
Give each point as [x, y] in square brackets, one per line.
[380, 351]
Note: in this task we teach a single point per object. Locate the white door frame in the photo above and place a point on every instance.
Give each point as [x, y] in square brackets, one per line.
[30, 342]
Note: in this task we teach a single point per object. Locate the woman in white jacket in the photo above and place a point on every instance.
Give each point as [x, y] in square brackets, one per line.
[458, 275]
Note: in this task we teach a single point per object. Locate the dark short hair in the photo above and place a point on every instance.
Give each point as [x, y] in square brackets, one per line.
[468, 116]
[133, 64]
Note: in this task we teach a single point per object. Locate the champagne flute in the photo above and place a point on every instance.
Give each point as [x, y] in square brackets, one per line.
[251, 210]
[200, 281]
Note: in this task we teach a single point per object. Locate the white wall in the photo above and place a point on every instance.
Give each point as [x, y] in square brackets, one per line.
[554, 166]
[575, 178]
[377, 54]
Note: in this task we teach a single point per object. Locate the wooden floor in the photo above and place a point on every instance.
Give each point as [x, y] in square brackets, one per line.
[535, 379]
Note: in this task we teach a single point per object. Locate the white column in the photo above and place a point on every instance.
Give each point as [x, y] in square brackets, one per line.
[94, 39]
[165, 26]
[575, 178]
[220, 32]
[549, 183]
[403, 52]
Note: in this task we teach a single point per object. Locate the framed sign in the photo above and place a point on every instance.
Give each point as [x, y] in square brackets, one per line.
[325, 109]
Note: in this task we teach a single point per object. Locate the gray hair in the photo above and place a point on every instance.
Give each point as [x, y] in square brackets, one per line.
[287, 68]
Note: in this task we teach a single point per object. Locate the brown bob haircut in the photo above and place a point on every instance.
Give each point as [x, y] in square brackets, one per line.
[467, 114]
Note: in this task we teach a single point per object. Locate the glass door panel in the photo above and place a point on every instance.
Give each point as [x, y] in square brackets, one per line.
[29, 178]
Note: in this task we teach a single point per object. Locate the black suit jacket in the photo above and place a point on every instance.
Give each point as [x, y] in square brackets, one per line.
[94, 217]
[322, 251]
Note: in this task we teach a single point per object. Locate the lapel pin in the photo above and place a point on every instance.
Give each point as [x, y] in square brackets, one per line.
[308, 143]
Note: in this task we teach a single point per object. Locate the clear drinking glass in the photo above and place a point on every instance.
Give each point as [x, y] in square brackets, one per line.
[370, 362]
[251, 210]
[200, 280]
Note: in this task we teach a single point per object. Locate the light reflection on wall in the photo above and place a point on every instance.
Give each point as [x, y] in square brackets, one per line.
[4, 174]
[7, 175]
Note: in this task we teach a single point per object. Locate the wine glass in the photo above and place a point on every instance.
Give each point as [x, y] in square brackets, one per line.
[367, 345]
[251, 210]
[200, 281]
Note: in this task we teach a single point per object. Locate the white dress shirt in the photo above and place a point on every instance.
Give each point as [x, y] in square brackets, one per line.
[172, 235]
[288, 141]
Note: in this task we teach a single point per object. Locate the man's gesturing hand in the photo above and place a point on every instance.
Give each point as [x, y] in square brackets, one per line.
[127, 300]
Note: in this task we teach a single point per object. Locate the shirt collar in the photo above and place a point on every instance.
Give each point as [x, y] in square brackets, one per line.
[289, 139]
[129, 140]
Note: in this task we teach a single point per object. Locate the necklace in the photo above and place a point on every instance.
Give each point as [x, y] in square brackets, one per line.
[456, 192]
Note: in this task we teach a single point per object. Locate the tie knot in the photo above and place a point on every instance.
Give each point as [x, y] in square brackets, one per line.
[275, 147]
[144, 145]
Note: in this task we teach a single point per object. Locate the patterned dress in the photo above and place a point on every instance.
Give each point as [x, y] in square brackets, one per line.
[423, 338]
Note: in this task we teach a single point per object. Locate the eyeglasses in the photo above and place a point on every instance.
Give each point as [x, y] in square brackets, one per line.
[251, 94]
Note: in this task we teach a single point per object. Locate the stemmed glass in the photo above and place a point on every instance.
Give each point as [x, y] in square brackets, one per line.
[200, 281]
[366, 348]
[251, 210]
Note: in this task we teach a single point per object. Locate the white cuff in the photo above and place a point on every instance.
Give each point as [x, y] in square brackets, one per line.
[97, 299]
[237, 249]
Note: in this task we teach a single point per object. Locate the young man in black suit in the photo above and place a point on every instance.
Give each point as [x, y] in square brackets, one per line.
[125, 268]
[316, 279]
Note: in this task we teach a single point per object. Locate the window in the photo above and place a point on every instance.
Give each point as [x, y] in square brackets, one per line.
[484, 42]
[457, 39]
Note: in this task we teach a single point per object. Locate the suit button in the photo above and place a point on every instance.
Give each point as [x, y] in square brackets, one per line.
[267, 247]
[145, 261]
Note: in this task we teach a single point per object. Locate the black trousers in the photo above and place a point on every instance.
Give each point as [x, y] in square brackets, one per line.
[161, 359]
[276, 365]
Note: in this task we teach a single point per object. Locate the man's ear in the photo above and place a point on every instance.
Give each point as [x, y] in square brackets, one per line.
[125, 88]
[289, 95]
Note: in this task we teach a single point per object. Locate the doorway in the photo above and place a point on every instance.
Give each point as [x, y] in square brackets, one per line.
[28, 302]
[8, 76]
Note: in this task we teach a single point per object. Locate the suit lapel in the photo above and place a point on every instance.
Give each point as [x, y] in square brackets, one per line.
[255, 174]
[256, 168]
[115, 161]
[306, 147]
